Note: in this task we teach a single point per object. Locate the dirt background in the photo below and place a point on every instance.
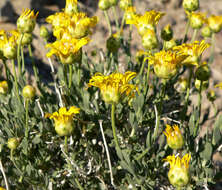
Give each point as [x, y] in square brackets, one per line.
[175, 15]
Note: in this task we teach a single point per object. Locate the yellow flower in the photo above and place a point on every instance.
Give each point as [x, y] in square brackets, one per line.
[8, 44]
[166, 63]
[114, 87]
[67, 50]
[147, 21]
[178, 174]
[124, 4]
[174, 137]
[149, 40]
[129, 13]
[71, 7]
[3, 87]
[197, 19]
[218, 85]
[1, 188]
[27, 20]
[59, 19]
[63, 120]
[215, 23]
[193, 50]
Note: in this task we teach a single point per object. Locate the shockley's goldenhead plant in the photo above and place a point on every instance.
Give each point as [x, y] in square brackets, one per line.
[92, 127]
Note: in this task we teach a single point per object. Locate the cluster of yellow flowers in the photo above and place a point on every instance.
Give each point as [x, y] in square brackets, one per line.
[71, 29]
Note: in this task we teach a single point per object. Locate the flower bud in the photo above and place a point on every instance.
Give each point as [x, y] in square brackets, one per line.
[203, 73]
[124, 4]
[197, 20]
[104, 5]
[113, 44]
[174, 137]
[205, 84]
[206, 32]
[178, 174]
[26, 22]
[211, 96]
[169, 44]
[64, 128]
[44, 33]
[167, 33]
[26, 39]
[71, 7]
[149, 40]
[13, 143]
[191, 5]
[28, 92]
[3, 87]
[113, 2]
[10, 50]
[215, 23]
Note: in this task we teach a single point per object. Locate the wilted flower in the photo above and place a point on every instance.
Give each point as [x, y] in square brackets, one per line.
[147, 21]
[178, 174]
[63, 120]
[193, 50]
[114, 87]
[174, 137]
[215, 23]
[166, 63]
[26, 22]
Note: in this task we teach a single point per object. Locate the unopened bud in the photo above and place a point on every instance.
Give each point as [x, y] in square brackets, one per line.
[28, 92]
[167, 33]
[191, 5]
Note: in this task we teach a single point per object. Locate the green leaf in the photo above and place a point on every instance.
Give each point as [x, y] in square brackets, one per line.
[207, 152]
[217, 131]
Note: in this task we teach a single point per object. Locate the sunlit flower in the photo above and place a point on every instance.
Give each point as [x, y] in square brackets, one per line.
[149, 40]
[71, 7]
[115, 86]
[178, 174]
[67, 50]
[3, 87]
[124, 4]
[174, 137]
[129, 13]
[166, 63]
[197, 19]
[63, 120]
[27, 20]
[59, 19]
[147, 21]
[193, 50]
[219, 85]
[215, 23]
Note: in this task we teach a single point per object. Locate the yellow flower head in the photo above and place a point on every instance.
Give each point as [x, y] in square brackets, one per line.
[197, 19]
[174, 137]
[63, 120]
[67, 50]
[193, 50]
[215, 23]
[147, 21]
[8, 44]
[114, 87]
[27, 20]
[166, 63]
[218, 85]
[58, 20]
[124, 4]
[179, 170]
[130, 13]
[3, 87]
[71, 7]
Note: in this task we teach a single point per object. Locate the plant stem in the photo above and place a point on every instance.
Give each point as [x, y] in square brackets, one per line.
[142, 154]
[23, 59]
[116, 18]
[122, 22]
[26, 118]
[33, 63]
[212, 49]
[114, 126]
[4, 176]
[70, 76]
[65, 71]
[7, 71]
[78, 184]
[66, 144]
[108, 22]
[16, 81]
[142, 68]
[194, 35]
[199, 109]
[186, 30]
[18, 55]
